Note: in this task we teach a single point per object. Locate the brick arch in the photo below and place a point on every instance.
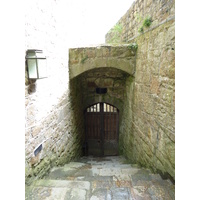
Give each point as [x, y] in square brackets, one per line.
[84, 59]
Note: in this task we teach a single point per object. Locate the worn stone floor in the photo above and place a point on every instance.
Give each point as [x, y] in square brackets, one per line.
[101, 178]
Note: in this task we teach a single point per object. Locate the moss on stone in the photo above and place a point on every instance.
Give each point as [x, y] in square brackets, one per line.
[39, 169]
[84, 59]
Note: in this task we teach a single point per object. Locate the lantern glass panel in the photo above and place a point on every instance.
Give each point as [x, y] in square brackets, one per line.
[32, 68]
[42, 69]
[31, 54]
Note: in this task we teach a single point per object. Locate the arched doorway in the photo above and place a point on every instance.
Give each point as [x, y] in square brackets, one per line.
[101, 129]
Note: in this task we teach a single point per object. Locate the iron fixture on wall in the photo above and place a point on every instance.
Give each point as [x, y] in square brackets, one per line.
[101, 90]
[37, 150]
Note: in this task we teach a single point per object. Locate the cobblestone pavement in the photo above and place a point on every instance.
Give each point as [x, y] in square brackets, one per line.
[101, 178]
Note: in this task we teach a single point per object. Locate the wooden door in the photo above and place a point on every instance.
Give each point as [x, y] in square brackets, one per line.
[101, 128]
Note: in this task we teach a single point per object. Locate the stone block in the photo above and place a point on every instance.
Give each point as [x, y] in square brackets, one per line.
[155, 85]
[108, 82]
[118, 83]
[100, 62]
[170, 55]
[171, 71]
[99, 52]
[72, 62]
[34, 160]
[106, 51]
[36, 130]
[90, 52]
[170, 34]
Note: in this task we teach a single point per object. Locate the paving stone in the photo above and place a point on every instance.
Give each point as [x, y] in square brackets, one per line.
[108, 178]
[120, 193]
[141, 175]
[84, 172]
[98, 178]
[123, 184]
[109, 172]
[61, 173]
[122, 177]
[159, 191]
[139, 193]
[76, 194]
[62, 183]
[40, 193]
[131, 171]
[102, 184]
[95, 171]
[74, 165]
[99, 194]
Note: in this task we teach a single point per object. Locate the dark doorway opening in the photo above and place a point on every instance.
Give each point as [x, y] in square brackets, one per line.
[101, 130]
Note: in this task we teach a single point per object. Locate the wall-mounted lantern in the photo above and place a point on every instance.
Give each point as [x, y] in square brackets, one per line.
[36, 63]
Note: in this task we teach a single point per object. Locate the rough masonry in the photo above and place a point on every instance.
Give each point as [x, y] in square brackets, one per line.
[52, 113]
[150, 100]
[147, 109]
[140, 83]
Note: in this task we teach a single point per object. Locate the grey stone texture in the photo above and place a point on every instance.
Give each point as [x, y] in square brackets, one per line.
[152, 132]
[141, 84]
[132, 20]
[106, 178]
[60, 140]
[103, 56]
[144, 92]
[51, 115]
[147, 129]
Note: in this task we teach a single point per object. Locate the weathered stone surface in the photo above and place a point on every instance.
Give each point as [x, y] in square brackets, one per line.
[58, 190]
[101, 56]
[152, 133]
[124, 181]
[53, 131]
[140, 84]
[134, 17]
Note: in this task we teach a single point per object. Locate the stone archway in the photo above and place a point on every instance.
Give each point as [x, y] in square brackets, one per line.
[83, 90]
[84, 59]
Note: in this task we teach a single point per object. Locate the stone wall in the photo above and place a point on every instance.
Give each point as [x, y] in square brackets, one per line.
[154, 98]
[158, 10]
[140, 84]
[50, 110]
[147, 131]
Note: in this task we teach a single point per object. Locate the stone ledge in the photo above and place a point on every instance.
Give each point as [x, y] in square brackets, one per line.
[62, 183]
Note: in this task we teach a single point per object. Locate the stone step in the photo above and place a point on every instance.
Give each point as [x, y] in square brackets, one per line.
[58, 189]
[100, 178]
[62, 183]
[74, 169]
[97, 164]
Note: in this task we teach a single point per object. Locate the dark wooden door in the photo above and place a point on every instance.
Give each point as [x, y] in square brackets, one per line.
[101, 124]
